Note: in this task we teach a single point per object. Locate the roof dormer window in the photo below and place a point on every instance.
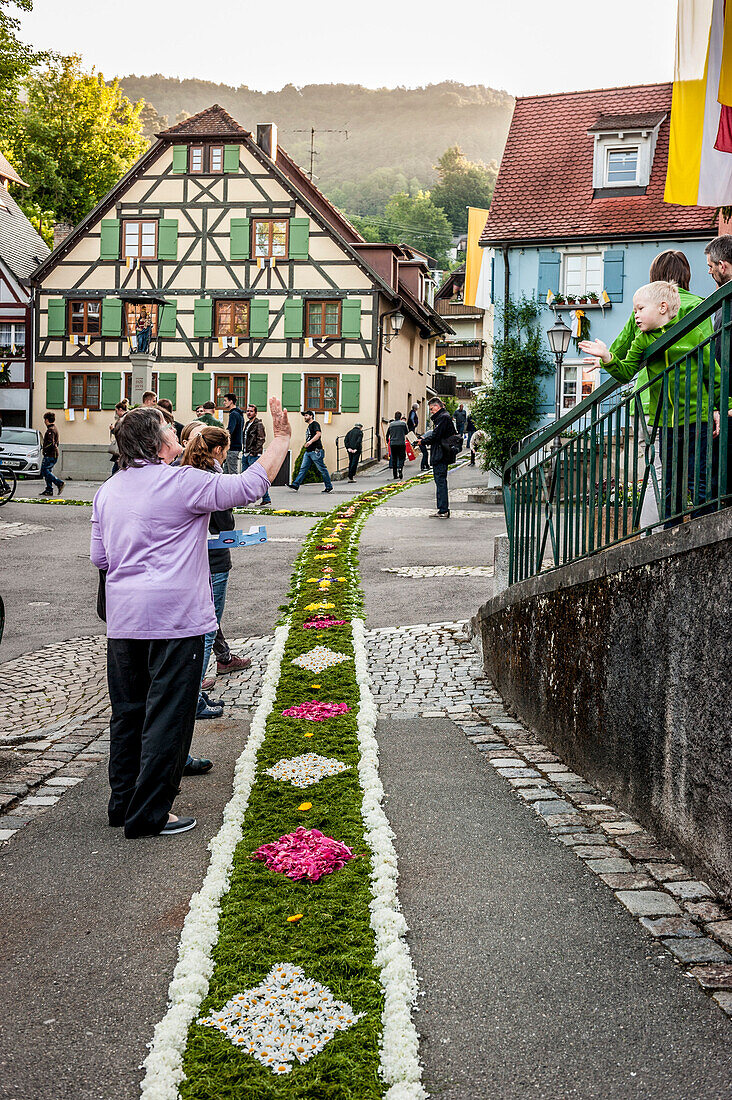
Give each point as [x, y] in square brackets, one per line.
[623, 153]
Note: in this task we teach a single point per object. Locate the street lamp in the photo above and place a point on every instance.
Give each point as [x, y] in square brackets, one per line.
[559, 336]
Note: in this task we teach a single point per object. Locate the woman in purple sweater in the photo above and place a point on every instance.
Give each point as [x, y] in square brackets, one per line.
[149, 532]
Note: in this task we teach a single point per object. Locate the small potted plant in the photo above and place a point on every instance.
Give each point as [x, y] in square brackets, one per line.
[582, 300]
[593, 297]
[559, 299]
[570, 299]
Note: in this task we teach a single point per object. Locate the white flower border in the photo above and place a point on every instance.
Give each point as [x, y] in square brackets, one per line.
[164, 1064]
[400, 1065]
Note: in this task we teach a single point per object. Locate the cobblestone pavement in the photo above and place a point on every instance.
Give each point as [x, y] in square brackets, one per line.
[455, 513]
[13, 530]
[424, 571]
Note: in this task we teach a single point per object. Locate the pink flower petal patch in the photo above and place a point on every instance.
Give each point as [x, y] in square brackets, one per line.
[323, 623]
[316, 710]
[306, 854]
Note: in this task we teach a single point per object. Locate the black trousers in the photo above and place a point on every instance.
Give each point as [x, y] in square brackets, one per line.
[672, 452]
[353, 461]
[398, 458]
[153, 689]
[439, 472]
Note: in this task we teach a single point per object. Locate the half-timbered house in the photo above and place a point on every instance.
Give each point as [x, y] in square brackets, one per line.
[21, 251]
[218, 251]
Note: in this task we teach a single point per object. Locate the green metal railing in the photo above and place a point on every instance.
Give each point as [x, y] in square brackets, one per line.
[607, 472]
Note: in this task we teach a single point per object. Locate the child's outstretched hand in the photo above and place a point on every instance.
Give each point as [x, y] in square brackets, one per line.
[597, 349]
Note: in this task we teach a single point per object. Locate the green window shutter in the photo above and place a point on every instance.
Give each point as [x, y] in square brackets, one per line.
[231, 158]
[167, 319]
[351, 318]
[202, 317]
[259, 317]
[239, 234]
[111, 317]
[55, 387]
[258, 390]
[201, 389]
[56, 319]
[111, 388]
[291, 389]
[180, 158]
[299, 238]
[350, 393]
[167, 387]
[168, 239]
[293, 317]
[109, 246]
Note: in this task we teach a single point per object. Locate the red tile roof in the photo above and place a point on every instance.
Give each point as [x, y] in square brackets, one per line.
[213, 122]
[544, 189]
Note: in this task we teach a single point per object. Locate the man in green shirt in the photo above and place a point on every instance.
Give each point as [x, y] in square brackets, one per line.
[208, 417]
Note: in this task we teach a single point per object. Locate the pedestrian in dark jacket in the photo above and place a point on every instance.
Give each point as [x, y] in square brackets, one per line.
[253, 439]
[440, 456]
[461, 417]
[50, 455]
[413, 418]
[354, 444]
[235, 428]
[396, 437]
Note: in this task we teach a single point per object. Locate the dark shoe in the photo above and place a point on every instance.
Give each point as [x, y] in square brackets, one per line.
[182, 825]
[197, 767]
[46, 493]
[440, 515]
[208, 683]
[291, 486]
[209, 712]
[60, 488]
[266, 504]
[212, 702]
[351, 480]
[236, 664]
[328, 490]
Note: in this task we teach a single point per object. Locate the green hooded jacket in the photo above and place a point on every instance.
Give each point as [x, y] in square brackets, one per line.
[629, 345]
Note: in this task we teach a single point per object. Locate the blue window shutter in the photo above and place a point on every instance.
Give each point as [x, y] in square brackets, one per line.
[614, 263]
[493, 280]
[549, 268]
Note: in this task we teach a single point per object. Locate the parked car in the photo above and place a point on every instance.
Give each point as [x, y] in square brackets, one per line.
[20, 449]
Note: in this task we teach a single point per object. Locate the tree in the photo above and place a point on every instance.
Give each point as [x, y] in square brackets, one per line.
[151, 122]
[462, 183]
[510, 408]
[77, 136]
[412, 220]
[16, 62]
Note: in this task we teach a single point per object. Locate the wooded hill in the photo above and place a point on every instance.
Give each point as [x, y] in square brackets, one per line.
[400, 129]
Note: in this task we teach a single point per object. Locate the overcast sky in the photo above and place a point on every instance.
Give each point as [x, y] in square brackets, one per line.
[524, 46]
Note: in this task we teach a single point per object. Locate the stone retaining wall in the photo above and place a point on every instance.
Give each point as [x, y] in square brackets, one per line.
[621, 663]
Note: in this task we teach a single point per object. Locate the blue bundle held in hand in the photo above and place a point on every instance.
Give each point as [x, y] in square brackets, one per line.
[230, 540]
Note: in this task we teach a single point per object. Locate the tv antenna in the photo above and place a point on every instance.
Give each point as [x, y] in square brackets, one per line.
[313, 152]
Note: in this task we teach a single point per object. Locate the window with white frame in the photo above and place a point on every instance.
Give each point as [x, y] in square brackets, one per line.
[578, 382]
[12, 340]
[621, 166]
[582, 273]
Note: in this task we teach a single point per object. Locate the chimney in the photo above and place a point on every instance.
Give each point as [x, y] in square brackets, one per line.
[61, 231]
[267, 138]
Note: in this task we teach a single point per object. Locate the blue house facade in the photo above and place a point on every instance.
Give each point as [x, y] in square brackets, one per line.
[578, 210]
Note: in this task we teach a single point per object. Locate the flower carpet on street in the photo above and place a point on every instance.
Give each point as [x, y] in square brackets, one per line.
[315, 711]
[320, 658]
[303, 771]
[301, 890]
[286, 1018]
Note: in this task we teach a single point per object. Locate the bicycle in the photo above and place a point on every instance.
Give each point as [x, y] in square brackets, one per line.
[8, 484]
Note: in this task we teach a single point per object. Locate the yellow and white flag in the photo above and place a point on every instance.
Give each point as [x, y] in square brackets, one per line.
[699, 169]
[476, 224]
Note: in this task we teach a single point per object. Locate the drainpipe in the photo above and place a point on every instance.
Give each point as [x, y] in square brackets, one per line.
[382, 319]
[31, 346]
[506, 287]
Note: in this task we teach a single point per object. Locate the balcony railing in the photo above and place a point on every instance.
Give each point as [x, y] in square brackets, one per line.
[457, 309]
[580, 485]
[367, 449]
[471, 349]
[444, 384]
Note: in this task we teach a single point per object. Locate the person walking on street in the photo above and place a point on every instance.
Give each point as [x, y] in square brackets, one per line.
[461, 418]
[354, 445]
[253, 439]
[148, 536]
[441, 455]
[470, 428]
[50, 455]
[396, 437]
[314, 454]
[413, 418]
[207, 416]
[236, 430]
